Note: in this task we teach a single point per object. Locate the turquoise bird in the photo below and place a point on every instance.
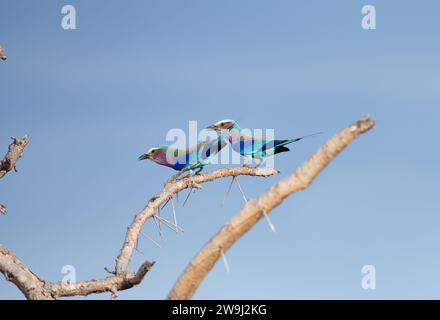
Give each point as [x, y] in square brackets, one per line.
[249, 146]
[199, 155]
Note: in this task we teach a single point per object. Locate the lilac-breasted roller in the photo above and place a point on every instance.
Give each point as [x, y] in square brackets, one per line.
[179, 159]
[249, 146]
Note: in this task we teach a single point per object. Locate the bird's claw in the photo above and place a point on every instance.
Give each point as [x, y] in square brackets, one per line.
[198, 172]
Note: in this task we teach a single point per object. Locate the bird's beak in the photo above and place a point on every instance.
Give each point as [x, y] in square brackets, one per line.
[144, 156]
[212, 127]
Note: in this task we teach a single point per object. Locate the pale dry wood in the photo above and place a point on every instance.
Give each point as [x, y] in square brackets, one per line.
[254, 210]
[111, 284]
[172, 188]
[9, 161]
[33, 287]
[2, 54]
[20, 275]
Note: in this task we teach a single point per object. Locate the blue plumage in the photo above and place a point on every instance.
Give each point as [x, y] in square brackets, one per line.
[249, 146]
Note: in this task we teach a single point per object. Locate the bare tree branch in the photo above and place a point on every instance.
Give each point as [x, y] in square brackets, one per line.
[2, 54]
[10, 159]
[111, 284]
[33, 287]
[15, 151]
[16, 272]
[253, 211]
[170, 189]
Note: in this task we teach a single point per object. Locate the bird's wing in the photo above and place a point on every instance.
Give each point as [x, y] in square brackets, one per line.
[248, 145]
[185, 157]
[201, 152]
[249, 138]
[210, 148]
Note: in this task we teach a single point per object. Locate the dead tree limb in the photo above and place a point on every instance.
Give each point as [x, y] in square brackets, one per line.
[253, 211]
[33, 287]
[15, 151]
[2, 54]
[172, 188]
[9, 162]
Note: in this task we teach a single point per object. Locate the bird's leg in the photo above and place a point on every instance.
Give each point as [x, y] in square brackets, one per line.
[241, 190]
[229, 190]
[247, 161]
[199, 170]
[260, 162]
[179, 174]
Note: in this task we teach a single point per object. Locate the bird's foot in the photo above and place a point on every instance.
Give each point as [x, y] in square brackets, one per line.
[247, 162]
[260, 163]
[198, 171]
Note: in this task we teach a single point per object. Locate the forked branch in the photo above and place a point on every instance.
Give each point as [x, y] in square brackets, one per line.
[9, 162]
[33, 287]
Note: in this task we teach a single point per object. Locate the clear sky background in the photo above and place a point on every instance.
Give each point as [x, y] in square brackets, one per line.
[94, 99]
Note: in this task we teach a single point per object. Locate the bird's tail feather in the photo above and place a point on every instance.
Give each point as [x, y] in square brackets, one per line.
[298, 139]
[281, 149]
[280, 145]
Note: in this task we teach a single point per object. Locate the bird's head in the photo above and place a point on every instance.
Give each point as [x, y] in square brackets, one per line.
[223, 125]
[155, 154]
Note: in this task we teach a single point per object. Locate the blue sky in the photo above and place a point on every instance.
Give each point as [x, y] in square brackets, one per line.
[93, 99]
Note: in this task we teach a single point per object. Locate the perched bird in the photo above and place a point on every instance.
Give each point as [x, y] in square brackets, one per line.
[249, 146]
[2, 55]
[199, 155]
